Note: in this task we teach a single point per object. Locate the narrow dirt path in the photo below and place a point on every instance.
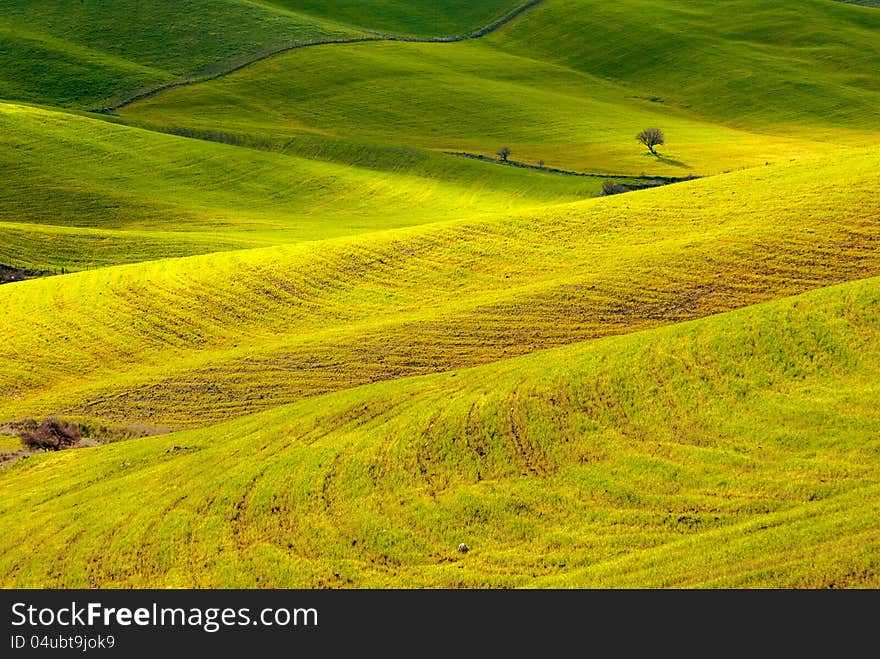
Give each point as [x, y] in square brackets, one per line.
[258, 57]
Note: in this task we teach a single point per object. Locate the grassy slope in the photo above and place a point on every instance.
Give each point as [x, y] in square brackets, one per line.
[739, 450]
[184, 342]
[76, 54]
[93, 193]
[797, 87]
[84, 53]
[807, 63]
[462, 97]
[414, 17]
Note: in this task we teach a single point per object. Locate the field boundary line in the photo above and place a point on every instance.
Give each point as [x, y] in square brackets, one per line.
[568, 172]
[196, 78]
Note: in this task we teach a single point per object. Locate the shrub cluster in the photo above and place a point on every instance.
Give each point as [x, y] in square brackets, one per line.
[611, 187]
[52, 434]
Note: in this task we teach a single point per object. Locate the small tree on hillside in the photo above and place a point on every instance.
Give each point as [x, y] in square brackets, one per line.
[53, 434]
[503, 153]
[651, 137]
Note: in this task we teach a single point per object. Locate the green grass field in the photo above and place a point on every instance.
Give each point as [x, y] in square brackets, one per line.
[369, 349]
[91, 193]
[415, 17]
[744, 62]
[472, 98]
[540, 88]
[93, 51]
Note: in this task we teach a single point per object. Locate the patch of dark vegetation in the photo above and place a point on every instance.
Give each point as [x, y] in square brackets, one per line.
[222, 137]
[10, 273]
[182, 449]
[613, 187]
[619, 183]
[57, 434]
[52, 434]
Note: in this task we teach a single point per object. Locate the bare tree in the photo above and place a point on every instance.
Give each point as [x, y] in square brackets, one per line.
[651, 137]
[503, 153]
[53, 434]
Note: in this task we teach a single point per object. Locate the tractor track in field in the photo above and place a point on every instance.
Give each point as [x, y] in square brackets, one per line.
[234, 66]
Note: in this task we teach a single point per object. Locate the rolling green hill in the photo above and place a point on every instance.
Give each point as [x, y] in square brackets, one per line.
[797, 87]
[424, 18]
[79, 192]
[465, 97]
[88, 52]
[77, 54]
[808, 65]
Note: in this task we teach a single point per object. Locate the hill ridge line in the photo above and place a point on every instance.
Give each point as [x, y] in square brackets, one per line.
[260, 56]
